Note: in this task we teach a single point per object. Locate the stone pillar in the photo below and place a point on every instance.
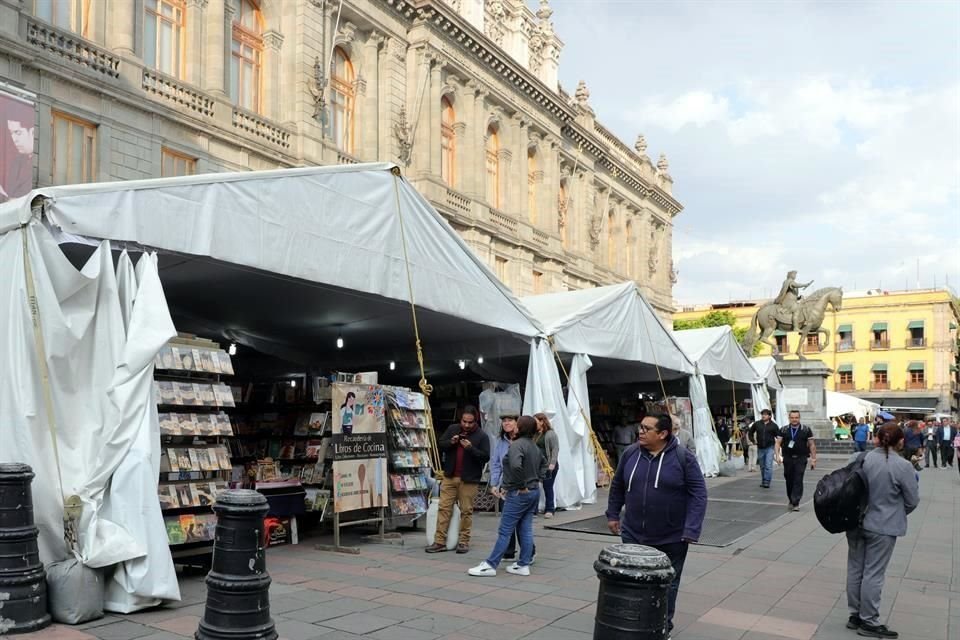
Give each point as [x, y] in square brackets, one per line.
[272, 78]
[468, 155]
[804, 383]
[505, 157]
[121, 26]
[461, 156]
[218, 35]
[520, 175]
[432, 135]
[195, 50]
[423, 113]
[549, 185]
[368, 149]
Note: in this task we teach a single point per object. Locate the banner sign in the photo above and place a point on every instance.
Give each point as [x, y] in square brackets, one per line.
[17, 130]
[359, 447]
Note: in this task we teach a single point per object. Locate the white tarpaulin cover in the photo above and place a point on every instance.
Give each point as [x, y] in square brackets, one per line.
[336, 225]
[100, 332]
[839, 404]
[709, 450]
[766, 368]
[716, 352]
[612, 322]
[578, 404]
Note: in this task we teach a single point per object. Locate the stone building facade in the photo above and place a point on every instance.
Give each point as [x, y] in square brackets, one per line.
[463, 94]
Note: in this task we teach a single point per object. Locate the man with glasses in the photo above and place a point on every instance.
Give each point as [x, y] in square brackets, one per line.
[658, 497]
[465, 449]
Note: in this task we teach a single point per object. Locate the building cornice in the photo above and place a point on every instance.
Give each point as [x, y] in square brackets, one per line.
[478, 46]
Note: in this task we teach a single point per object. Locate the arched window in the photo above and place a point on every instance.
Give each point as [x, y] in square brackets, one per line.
[493, 167]
[344, 100]
[246, 69]
[532, 186]
[448, 142]
[163, 35]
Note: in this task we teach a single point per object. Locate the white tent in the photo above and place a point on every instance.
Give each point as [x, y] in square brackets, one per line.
[839, 404]
[613, 332]
[766, 367]
[284, 261]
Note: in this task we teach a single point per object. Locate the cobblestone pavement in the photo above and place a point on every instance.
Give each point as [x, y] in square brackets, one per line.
[783, 580]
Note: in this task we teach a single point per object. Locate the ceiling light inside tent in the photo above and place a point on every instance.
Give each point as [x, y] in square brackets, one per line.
[232, 349]
[462, 364]
[479, 359]
[293, 383]
[393, 365]
[339, 342]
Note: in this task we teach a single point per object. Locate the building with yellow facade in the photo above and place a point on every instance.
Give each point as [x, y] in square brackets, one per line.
[896, 348]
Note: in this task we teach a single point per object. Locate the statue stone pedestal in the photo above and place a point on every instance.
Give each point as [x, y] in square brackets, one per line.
[804, 383]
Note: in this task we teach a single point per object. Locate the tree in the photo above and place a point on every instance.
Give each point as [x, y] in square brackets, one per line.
[716, 319]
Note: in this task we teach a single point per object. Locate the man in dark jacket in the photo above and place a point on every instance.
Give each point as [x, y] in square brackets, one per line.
[465, 449]
[946, 432]
[660, 490]
[763, 435]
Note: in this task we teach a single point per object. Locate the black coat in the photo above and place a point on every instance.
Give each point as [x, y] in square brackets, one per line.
[474, 458]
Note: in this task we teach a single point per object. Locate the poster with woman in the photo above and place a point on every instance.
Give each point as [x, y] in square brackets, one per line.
[17, 130]
[359, 447]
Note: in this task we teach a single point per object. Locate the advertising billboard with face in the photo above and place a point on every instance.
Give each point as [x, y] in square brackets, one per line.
[18, 119]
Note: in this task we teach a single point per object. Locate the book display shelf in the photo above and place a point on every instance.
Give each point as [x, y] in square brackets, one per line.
[409, 452]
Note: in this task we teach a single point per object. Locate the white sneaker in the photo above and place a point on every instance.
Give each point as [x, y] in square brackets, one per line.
[484, 570]
[517, 570]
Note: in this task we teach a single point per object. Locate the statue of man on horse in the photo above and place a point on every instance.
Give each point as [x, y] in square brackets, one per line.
[791, 312]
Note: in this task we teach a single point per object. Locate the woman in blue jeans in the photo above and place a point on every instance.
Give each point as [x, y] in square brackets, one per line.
[549, 445]
[523, 469]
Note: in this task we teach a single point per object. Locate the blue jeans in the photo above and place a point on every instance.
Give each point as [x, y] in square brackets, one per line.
[550, 503]
[861, 446]
[765, 456]
[518, 511]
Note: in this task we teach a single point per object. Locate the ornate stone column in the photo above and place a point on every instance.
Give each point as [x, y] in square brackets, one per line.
[219, 32]
[431, 137]
[520, 175]
[195, 50]
[121, 25]
[272, 78]
[505, 158]
[368, 149]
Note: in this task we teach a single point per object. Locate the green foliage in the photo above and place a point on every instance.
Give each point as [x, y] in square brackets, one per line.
[717, 319]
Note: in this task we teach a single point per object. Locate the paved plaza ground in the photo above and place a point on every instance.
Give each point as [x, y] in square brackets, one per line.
[783, 580]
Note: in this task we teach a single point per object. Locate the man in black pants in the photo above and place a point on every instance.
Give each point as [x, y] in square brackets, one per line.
[794, 444]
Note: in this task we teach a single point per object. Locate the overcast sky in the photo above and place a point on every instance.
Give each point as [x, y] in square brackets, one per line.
[818, 136]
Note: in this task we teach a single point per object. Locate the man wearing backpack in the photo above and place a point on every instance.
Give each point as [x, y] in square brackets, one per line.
[658, 497]
[795, 445]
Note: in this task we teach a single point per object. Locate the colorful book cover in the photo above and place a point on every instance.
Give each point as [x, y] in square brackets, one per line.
[166, 392]
[175, 534]
[208, 362]
[317, 423]
[223, 458]
[173, 461]
[168, 496]
[206, 395]
[186, 394]
[193, 532]
[201, 494]
[194, 459]
[184, 497]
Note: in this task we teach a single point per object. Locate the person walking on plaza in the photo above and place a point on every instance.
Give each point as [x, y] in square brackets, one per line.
[794, 444]
[893, 492]
[465, 448]
[945, 435]
[749, 451]
[931, 447]
[658, 498]
[912, 441]
[860, 434]
[549, 445]
[624, 435]
[508, 433]
[523, 470]
[763, 436]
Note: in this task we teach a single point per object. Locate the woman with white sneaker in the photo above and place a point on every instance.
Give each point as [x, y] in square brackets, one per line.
[523, 469]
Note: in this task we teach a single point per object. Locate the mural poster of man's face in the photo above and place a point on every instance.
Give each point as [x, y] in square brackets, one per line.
[17, 132]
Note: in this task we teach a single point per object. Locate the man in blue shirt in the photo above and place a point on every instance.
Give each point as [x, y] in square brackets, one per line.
[860, 434]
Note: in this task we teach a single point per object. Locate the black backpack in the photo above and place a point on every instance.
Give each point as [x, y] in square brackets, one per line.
[840, 500]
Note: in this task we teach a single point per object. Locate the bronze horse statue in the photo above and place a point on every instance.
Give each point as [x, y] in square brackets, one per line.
[813, 309]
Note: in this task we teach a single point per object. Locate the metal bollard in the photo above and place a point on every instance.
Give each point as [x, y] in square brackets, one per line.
[23, 581]
[238, 598]
[634, 586]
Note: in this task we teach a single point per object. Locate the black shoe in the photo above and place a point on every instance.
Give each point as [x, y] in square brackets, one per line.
[510, 556]
[876, 631]
[854, 622]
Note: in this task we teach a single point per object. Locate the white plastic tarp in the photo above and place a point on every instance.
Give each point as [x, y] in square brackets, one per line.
[766, 368]
[839, 404]
[716, 352]
[100, 333]
[709, 450]
[578, 403]
[612, 322]
[544, 393]
[337, 225]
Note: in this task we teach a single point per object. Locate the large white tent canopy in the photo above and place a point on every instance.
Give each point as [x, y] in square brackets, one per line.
[282, 261]
[840, 404]
[716, 352]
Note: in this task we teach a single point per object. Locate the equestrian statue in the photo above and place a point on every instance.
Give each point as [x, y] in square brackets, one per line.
[791, 312]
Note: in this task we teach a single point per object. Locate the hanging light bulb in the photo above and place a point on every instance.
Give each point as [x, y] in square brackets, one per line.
[339, 342]
[393, 365]
[232, 349]
[462, 364]
[293, 384]
[480, 359]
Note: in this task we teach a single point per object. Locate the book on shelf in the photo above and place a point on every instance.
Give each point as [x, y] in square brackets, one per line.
[186, 394]
[202, 493]
[168, 496]
[175, 534]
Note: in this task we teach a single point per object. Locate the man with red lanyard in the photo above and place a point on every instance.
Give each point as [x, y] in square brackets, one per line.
[794, 444]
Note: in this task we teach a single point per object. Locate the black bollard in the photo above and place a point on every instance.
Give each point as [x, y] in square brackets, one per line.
[23, 582]
[238, 597]
[634, 585]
